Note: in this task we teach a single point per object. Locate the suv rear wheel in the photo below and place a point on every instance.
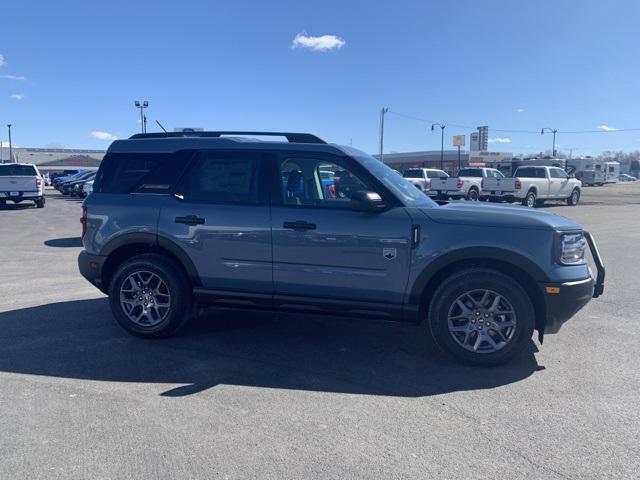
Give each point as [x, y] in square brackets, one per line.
[150, 296]
[473, 194]
[481, 316]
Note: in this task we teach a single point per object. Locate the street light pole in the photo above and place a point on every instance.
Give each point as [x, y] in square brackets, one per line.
[142, 105]
[554, 131]
[10, 145]
[382, 113]
[441, 142]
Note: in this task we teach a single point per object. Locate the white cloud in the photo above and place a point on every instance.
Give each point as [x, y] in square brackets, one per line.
[500, 140]
[17, 96]
[2, 60]
[606, 128]
[13, 77]
[323, 43]
[5, 144]
[103, 135]
[520, 110]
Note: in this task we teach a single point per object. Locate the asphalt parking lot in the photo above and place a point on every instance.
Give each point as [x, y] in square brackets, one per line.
[242, 395]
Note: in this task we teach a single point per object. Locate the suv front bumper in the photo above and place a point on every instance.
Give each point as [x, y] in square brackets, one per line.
[564, 300]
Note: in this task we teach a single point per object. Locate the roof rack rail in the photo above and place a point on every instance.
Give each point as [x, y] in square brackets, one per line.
[291, 137]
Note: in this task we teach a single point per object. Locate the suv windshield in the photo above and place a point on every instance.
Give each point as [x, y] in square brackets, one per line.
[17, 171]
[401, 188]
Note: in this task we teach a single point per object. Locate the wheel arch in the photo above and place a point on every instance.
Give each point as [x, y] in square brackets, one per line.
[516, 266]
[130, 245]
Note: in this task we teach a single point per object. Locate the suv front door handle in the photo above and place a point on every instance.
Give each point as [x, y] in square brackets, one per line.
[190, 220]
[299, 225]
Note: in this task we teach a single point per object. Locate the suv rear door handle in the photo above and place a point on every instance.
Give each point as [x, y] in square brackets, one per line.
[190, 220]
[299, 225]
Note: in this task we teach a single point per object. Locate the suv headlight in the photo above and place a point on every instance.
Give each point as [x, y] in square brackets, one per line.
[571, 248]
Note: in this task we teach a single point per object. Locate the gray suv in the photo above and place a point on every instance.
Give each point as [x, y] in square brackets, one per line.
[179, 219]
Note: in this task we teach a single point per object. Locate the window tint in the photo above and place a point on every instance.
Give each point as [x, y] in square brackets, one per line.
[17, 171]
[470, 172]
[557, 173]
[121, 172]
[414, 173]
[436, 174]
[222, 177]
[303, 183]
[530, 172]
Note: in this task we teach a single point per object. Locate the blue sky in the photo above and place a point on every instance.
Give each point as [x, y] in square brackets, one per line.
[513, 65]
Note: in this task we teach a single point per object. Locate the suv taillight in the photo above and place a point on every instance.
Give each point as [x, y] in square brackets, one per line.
[460, 183]
[38, 183]
[83, 221]
[518, 184]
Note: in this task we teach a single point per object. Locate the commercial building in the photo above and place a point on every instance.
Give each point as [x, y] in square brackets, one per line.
[54, 159]
[426, 159]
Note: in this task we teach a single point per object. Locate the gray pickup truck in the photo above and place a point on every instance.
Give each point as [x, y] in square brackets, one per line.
[179, 219]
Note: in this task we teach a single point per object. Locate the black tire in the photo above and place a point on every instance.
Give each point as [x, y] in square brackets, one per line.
[473, 194]
[177, 283]
[574, 198]
[530, 200]
[40, 202]
[474, 279]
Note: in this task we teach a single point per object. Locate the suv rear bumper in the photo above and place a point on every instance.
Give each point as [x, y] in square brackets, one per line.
[91, 268]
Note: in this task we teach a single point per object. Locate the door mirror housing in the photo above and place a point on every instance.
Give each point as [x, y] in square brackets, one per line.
[364, 201]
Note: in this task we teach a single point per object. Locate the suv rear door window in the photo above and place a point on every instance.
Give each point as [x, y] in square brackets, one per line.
[222, 177]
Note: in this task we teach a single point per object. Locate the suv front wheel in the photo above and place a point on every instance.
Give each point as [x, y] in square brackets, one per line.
[150, 296]
[481, 316]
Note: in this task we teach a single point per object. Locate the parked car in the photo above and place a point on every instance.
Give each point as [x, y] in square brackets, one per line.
[181, 220]
[67, 187]
[533, 185]
[469, 184]
[75, 187]
[87, 189]
[65, 176]
[19, 182]
[624, 177]
[421, 177]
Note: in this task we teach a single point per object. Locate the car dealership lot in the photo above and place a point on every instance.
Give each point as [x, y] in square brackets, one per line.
[243, 395]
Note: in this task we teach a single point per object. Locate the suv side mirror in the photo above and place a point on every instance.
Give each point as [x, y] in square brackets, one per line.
[364, 201]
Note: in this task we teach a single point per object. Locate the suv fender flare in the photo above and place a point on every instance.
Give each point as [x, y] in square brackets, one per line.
[154, 242]
[473, 255]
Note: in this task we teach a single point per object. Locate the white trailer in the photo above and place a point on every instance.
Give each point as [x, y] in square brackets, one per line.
[611, 172]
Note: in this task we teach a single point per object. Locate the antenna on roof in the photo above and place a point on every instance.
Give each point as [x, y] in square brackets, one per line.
[164, 129]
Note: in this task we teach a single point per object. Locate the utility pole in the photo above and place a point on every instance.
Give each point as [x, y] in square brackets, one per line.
[442, 127]
[554, 131]
[10, 145]
[142, 105]
[382, 113]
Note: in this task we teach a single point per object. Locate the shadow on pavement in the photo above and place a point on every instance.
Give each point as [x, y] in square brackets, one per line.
[80, 339]
[64, 242]
[17, 206]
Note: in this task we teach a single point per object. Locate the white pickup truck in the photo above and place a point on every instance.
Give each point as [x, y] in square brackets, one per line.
[21, 181]
[422, 177]
[468, 184]
[534, 184]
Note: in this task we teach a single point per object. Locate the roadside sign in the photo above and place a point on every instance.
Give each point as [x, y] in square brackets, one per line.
[458, 140]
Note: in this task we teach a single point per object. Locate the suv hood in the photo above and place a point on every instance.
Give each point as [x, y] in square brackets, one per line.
[503, 216]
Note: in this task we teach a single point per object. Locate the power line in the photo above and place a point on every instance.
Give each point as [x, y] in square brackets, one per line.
[505, 130]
